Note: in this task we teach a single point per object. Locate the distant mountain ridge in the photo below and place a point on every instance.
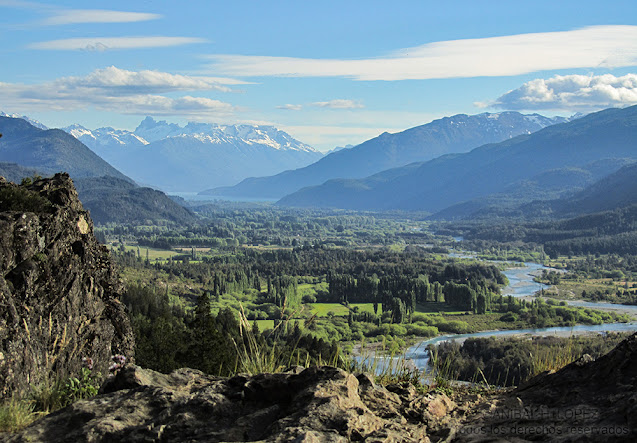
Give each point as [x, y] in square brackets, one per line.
[196, 156]
[459, 133]
[489, 169]
[33, 122]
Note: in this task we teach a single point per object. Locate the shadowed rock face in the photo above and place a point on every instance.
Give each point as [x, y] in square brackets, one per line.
[584, 401]
[58, 288]
[313, 405]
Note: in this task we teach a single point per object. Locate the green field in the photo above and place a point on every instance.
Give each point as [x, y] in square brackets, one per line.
[433, 307]
[269, 324]
[153, 254]
[321, 309]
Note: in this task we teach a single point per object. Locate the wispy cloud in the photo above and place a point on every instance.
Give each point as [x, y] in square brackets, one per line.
[339, 103]
[77, 16]
[595, 46]
[110, 43]
[571, 93]
[122, 91]
[290, 107]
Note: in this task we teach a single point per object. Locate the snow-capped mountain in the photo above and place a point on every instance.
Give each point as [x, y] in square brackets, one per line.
[35, 123]
[152, 130]
[104, 137]
[196, 156]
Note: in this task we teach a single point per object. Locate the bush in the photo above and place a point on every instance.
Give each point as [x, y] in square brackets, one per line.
[309, 298]
[509, 317]
[453, 326]
[16, 198]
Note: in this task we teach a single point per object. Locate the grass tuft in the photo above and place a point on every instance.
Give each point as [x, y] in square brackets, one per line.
[16, 414]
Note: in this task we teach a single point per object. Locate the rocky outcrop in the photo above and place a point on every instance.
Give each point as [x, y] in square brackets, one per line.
[320, 404]
[58, 289]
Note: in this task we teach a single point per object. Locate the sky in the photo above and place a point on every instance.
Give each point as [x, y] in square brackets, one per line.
[330, 73]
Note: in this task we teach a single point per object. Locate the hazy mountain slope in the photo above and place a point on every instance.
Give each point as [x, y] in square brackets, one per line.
[489, 169]
[459, 133]
[15, 173]
[113, 200]
[198, 155]
[615, 191]
[50, 151]
[537, 196]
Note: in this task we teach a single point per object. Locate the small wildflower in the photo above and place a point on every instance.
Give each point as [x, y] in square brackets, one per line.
[87, 362]
[119, 361]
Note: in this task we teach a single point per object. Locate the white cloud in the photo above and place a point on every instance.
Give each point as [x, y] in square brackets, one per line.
[290, 107]
[116, 79]
[571, 93]
[121, 91]
[77, 16]
[595, 46]
[339, 103]
[110, 43]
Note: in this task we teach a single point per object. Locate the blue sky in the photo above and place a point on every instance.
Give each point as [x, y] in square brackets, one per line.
[330, 73]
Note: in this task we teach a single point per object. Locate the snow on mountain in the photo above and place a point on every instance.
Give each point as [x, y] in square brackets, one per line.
[153, 130]
[197, 155]
[35, 123]
[104, 137]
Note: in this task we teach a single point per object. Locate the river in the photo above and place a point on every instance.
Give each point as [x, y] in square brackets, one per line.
[521, 284]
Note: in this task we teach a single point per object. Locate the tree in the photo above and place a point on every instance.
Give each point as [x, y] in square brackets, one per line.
[209, 351]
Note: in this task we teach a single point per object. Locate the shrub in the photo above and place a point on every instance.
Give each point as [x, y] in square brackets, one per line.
[16, 198]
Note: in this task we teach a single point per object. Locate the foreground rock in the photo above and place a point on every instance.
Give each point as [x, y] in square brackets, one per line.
[313, 405]
[584, 401]
[58, 289]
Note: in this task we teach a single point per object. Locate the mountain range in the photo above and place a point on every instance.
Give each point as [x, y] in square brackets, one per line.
[196, 156]
[487, 170]
[459, 133]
